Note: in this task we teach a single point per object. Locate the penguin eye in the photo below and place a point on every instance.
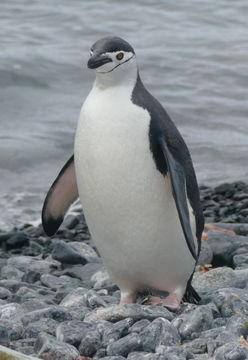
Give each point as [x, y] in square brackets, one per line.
[119, 56]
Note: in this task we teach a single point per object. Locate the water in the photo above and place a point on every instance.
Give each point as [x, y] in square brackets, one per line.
[193, 57]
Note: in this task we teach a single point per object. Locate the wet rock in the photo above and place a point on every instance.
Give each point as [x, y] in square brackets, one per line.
[53, 312]
[125, 345]
[116, 331]
[215, 279]
[90, 343]
[72, 332]
[14, 239]
[64, 253]
[231, 351]
[159, 332]
[139, 326]
[190, 324]
[135, 311]
[49, 348]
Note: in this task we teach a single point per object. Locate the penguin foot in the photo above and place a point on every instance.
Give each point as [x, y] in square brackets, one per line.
[171, 302]
[128, 298]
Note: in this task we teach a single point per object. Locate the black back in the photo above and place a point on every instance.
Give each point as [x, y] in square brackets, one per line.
[111, 44]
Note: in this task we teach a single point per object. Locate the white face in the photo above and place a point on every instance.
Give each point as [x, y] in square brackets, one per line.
[120, 61]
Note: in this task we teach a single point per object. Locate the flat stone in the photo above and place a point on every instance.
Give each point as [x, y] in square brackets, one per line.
[176, 352]
[84, 250]
[125, 345]
[141, 355]
[72, 332]
[27, 263]
[215, 279]
[65, 253]
[232, 351]
[53, 312]
[49, 348]
[189, 325]
[13, 329]
[75, 298]
[10, 272]
[55, 282]
[139, 326]
[135, 311]
[46, 325]
[9, 354]
[81, 272]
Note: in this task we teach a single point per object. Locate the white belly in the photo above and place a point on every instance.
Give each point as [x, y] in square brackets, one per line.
[128, 204]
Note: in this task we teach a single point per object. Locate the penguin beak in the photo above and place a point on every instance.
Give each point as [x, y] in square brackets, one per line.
[98, 60]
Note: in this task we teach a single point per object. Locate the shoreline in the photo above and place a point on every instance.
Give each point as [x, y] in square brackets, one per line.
[57, 301]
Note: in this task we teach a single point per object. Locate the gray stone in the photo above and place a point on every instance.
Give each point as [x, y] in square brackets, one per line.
[139, 326]
[197, 346]
[135, 311]
[215, 279]
[49, 348]
[4, 293]
[174, 353]
[113, 358]
[53, 312]
[239, 228]
[143, 356]
[231, 351]
[84, 250]
[206, 254]
[101, 279]
[14, 239]
[75, 298]
[238, 325]
[159, 332]
[116, 331]
[55, 282]
[10, 272]
[13, 329]
[72, 332]
[241, 260]
[189, 325]
[11, 311]
[231, 301]
[90, 343]
[224, 246]
[27, 263]
[84, 273]
[64, 253]
[125, 345]
[45, 325]
[10, 284]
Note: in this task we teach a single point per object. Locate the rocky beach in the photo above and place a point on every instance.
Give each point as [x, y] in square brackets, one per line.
[57, 301]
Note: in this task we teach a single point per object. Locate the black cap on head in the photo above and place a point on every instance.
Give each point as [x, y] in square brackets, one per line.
[111, 44]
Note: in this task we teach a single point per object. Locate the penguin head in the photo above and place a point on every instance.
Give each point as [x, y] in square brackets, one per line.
[111, 55]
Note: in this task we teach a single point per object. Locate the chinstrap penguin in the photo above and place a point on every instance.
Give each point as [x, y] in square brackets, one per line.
[133, 173]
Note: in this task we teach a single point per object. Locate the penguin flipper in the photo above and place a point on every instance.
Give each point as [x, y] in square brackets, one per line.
[60, 196]
[178, 183]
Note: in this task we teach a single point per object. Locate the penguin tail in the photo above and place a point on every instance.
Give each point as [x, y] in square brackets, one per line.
[191, 295]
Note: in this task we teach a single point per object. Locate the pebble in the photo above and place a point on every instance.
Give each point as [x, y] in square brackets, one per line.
[125, 345]
[72, 332]
[65, 253]
[231, 351]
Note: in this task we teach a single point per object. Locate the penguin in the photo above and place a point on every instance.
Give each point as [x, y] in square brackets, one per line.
[134, 175]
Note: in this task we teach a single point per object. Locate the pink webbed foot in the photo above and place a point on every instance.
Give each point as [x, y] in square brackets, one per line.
[171, 302]
[128, 298]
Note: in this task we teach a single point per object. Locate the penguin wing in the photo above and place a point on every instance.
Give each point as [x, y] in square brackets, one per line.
[60, 196]
[178, 183]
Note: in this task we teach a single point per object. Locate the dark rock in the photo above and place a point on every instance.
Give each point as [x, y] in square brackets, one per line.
[31, 276]
[13, 329]
[174, 353]
[197, 346]
[55, 282]
[113, 358]
[4, 338]
[4, 293]
[27, 263]
[139, 326]
[15, 239]
[83, 273]
[224, 188]
[231, 351]
[53, 312]
[135, 311]
[66, 254]
[49, 348]
[116, 331]
[125, 345]
[206, 254]
[224, 246]
[90, 343]
[241, 260]
[238, 325]
[84, 250]
[231, 301]
[240, 229]
[189, 325]
[34, 304]
[143, 356]
[72, 332]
